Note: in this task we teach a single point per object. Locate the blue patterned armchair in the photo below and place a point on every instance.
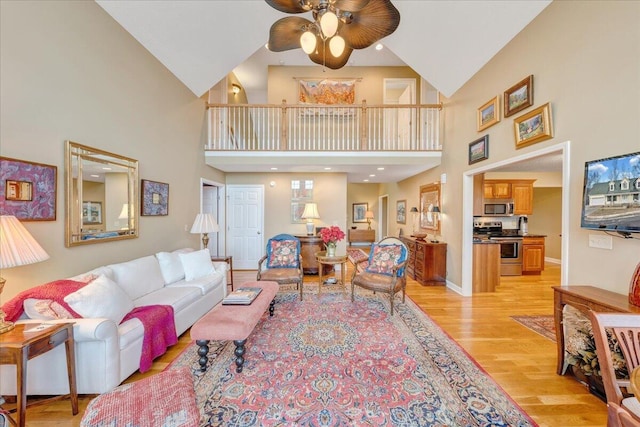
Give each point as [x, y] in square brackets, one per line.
[283, 261]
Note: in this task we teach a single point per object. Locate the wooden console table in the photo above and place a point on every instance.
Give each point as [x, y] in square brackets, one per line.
[584, 298]
[367, 236]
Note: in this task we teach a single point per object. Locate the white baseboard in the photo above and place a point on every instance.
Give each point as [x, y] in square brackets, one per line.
[553, 260]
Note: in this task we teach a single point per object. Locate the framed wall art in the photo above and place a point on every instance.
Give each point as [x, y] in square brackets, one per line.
[154, 198]
[429, 199]
[401, 211]
[479, 150]
[28, 190]
[91, 213]
[359, 211]
[519, 96]
[535, 126]
[488, 114]
[297, 209]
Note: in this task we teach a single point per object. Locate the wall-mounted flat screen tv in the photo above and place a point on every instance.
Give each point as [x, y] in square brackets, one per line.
[611, 198]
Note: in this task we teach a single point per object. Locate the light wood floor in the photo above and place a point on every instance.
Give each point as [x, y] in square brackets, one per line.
[521, 361]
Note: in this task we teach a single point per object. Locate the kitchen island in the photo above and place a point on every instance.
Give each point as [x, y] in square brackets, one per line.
[486, 266]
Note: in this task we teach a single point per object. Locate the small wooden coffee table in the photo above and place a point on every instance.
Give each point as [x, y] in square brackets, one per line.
[323, 259]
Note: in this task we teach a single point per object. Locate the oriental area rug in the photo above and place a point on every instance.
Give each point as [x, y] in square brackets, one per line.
[543, 325]
[326, 361]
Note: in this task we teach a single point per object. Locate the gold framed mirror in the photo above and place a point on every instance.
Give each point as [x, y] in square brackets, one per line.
[101, 193]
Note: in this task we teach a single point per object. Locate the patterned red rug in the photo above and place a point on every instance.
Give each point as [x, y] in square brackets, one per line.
[543, 325]
[329, 362]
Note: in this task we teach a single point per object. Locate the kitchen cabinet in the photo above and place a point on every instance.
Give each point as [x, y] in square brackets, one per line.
[532, 254]
[486, 266]
[427, 261]
[494, 189]
[522, 192]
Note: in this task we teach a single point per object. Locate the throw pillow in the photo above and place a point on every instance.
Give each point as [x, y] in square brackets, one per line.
[101, 298]
[170, 266]
[383, 258]
[196, 264]
[45, 309]
[282, 254]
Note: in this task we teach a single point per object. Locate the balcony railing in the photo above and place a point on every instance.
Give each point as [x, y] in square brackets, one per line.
[298, 127]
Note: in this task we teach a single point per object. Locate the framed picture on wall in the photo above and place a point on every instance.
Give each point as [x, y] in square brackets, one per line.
[429, 199]
[488, 114]
[155, 198]
[91, 213]
[519, 96]
[28, 190]
[359, 212]
[534, 126]
[401, 211]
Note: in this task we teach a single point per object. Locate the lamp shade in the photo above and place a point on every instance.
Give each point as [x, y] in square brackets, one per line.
[436, 210]
[310, 211]
[204, 223]
[17, 246]
[124, 213]
[368, 215]
[414, 209]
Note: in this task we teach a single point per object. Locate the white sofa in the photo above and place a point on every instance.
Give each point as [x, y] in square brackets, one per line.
[106, 351]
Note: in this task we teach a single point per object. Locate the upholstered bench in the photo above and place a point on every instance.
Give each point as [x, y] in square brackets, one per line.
[233, 323]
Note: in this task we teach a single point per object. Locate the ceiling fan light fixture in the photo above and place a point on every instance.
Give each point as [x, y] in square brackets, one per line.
[336, 46]
[308, 42]
[329, 24]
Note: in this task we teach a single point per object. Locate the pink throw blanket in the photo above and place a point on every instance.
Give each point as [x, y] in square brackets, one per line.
[159, 331]
[159, 326]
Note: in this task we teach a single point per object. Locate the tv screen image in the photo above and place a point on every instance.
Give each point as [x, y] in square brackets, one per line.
[611, 198]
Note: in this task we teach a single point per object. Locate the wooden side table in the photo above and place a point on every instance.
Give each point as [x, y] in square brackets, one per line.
[23, 343]
[330, 261]
[229, 260]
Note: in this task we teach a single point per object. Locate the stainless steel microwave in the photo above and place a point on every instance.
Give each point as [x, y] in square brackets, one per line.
[498, 209]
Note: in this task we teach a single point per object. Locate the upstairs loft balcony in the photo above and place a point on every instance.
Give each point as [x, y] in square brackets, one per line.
[250, 137]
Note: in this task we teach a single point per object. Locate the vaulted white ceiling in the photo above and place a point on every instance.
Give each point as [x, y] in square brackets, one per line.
[200, 42]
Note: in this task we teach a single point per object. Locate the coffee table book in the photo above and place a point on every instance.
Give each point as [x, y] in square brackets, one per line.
[242, 296]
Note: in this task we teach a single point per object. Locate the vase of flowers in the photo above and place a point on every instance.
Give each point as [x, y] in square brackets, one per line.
[331, 236]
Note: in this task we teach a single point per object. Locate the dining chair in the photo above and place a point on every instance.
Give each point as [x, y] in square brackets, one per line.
[625, 328]
[282, 262]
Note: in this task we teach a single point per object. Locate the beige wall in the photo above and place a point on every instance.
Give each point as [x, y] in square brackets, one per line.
[283, 83]
[69, 71]
[363, 193]
[546, 219]
[329, 190]
[585, 59]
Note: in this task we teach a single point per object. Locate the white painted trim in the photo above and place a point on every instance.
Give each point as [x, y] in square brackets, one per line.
[222, 209]
[552, 260]
[467, 211]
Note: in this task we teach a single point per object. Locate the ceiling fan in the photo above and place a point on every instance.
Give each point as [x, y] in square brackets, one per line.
[338, 27]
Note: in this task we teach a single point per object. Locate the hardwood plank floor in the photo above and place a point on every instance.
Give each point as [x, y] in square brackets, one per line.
[521, 361]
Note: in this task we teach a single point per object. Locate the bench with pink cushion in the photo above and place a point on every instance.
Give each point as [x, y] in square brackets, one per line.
[233, 323]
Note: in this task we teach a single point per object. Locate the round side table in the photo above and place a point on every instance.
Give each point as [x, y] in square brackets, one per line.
[323, 260]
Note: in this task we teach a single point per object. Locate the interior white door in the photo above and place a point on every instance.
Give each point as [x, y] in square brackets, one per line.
[245, 225]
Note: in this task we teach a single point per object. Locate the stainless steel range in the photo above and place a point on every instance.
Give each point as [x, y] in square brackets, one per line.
[510, 245]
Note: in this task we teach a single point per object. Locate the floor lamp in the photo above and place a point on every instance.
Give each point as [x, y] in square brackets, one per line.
[204, 224]
[17, 247]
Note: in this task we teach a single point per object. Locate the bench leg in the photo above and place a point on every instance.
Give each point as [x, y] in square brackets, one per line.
[272, 307]
[203, 349]
[239, 352]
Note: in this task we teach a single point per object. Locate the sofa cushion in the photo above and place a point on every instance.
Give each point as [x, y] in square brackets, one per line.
[282, 254]
[45, 309]
[170, 266]
[176, 297]
[100, 298]
[383, 258]
[196, 264]
[206, 284]
[138, 277]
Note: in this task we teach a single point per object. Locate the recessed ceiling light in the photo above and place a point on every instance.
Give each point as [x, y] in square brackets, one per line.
[379, 46]
[106, 168]
[95, 176]
[365, 180]
[380, 168]
[327, 168]
[274, 169]
[372, 175]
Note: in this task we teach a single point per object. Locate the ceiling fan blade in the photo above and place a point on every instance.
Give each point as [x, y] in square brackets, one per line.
[285, 33]
[286, 6]
[329, 60]
[351, 5]
[376, 20]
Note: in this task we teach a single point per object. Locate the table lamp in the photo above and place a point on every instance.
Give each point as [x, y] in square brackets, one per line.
[310, 213]
[204, 224]
[17, 247]
[368, 216]
[436, 217]
[414, 213]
